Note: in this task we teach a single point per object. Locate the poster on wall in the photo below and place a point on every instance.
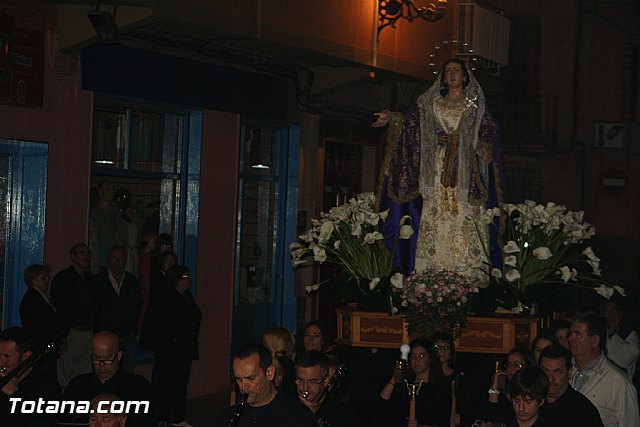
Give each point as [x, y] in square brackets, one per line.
[21, 65]
[6, 26]
[28, 68]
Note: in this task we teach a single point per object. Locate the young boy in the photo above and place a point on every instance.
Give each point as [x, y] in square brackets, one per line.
[528, 392]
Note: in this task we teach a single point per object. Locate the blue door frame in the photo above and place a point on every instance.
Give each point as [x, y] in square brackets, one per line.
[27, 207]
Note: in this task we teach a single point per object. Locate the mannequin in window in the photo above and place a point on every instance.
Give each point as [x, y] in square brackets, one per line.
[103, 230]
[127, 229]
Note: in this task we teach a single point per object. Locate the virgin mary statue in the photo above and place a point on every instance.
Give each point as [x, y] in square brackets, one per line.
[442, 168]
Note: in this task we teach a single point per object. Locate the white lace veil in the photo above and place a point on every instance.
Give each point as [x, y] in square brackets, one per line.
[468, 137]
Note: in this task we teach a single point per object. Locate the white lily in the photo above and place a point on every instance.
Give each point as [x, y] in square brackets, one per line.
[511, 247]
[542, 253]
[496, 272]
[370, 238]
[406, 231]
[512, 275]
[565, 273]
[511, 260]
[590, 254]
[404, 219]
[373, 283]
[356, 229]
[620, 290]
[319, 254]
[325, 230]
[309, 289]
[605, 291]
[397, 281]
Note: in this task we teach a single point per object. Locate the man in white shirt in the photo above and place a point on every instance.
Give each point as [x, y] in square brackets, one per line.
[622, 342]
[595, 376]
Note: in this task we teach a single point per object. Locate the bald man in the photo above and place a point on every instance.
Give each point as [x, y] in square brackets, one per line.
[109, 415]
[108, 378]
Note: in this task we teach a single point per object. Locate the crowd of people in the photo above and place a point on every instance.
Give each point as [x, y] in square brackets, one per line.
[572, 375]
[578, 372]
[86, 331]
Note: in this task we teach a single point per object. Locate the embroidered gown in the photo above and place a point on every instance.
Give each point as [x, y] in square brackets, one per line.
[443, 169]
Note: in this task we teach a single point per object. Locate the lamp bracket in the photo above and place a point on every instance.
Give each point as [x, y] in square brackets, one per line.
[389, 11]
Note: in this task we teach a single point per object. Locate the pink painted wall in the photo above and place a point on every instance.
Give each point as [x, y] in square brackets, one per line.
[216, 249]
[64, 123]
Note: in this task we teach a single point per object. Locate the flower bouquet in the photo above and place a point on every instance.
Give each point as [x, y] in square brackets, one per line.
[542, 251]
[349, 237]
[434, 300]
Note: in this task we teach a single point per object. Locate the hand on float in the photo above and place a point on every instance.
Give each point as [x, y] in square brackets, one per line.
[382, 120]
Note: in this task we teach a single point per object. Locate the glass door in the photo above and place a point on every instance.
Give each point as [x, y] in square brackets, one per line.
[264, 292]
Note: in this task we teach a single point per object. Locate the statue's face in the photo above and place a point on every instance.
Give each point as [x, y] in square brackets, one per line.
[106, 191]
[453, 75]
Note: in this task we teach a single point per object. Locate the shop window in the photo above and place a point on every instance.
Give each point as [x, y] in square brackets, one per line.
[142, 163]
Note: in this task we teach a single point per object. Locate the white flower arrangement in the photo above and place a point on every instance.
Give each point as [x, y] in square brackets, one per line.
[349, 236]
[542, 244]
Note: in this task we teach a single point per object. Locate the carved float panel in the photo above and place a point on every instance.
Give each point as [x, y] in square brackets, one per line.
[493, 335]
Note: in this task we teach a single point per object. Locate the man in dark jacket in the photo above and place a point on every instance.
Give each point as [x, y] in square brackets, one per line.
[313, 382]
[564, 406]
[71, 293]
[117, 302]
[254, 372]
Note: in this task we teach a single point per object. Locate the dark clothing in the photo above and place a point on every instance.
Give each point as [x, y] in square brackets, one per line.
[113, 312]
[39, 319]
[334, 413]
[179, 319]
[572, 409]
[123, 384]
[501, 412]
[288, 385]
[432, 407]
[540, 422]
[158, 286]
[71, 294]
[34, 386]
[169, 383]
[283, 411]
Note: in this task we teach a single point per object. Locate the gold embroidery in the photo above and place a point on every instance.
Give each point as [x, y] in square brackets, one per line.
[447, 238]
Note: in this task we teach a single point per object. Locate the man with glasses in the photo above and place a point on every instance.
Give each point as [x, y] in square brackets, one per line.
[108, 378]
[312, 379]
[254, 372]
[599, 379]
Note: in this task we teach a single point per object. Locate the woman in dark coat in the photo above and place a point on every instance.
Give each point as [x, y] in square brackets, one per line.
[178, 320]
[38, 314]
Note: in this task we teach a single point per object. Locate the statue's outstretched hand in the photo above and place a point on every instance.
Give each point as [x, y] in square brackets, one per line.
[383, 119]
